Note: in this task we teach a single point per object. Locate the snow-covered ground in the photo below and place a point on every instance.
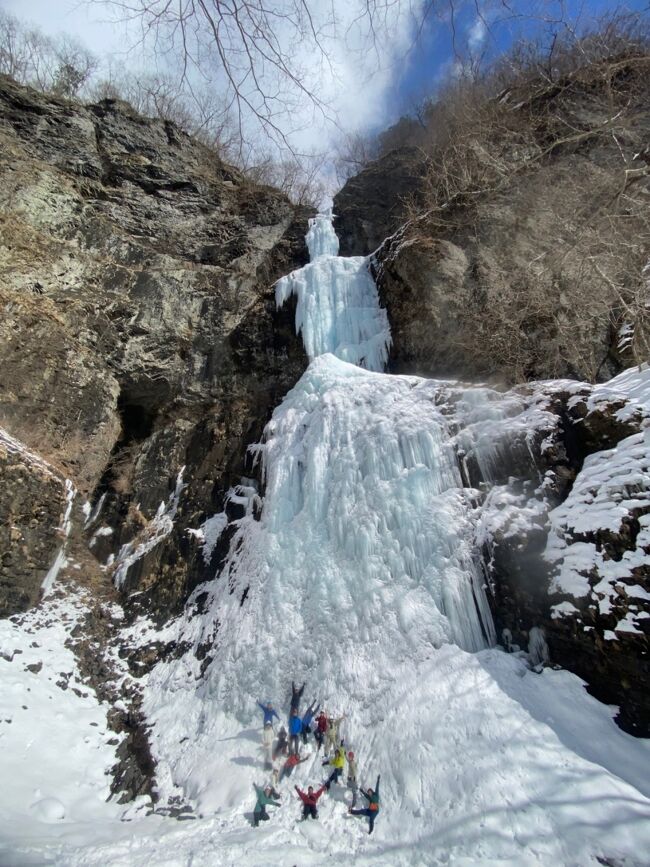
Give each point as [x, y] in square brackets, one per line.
[482, 762]
[358, 577]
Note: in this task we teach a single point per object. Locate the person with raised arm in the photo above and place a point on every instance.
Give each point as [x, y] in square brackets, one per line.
[296, 695]
[371, 811]
[269, 712]
[293, 760]
[322, 724]
[309, 800]
[264, 797]
[295, 730]
[332, 737]
[307, 718]
[338, 763]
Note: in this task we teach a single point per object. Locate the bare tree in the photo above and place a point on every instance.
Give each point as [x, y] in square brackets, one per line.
[75, 66]
[247, 41]
[253, 45]
[300, 178]
[353, 152]
[62, 66]
[543, 106]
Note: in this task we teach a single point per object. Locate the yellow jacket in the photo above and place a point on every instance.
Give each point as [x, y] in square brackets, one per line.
[339, 759]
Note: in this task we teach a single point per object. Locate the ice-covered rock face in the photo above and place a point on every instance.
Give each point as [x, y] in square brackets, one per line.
[362, 561]
[363, 556]
[337, 307]
[321, 238]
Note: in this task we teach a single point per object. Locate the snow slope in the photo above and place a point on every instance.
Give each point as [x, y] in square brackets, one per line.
[54, 750]
[482, 762]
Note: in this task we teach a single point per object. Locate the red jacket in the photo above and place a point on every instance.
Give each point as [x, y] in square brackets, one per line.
[322, 722]
[310, 800]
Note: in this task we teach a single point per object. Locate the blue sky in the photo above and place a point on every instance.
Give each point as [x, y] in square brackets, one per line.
[431, 60]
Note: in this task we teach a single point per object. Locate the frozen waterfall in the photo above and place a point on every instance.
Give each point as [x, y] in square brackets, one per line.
[363, 558]
[337, 307]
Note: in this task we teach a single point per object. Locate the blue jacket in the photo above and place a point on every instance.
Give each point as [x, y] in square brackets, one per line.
[269, 712]
[309, 715]
[295, 725]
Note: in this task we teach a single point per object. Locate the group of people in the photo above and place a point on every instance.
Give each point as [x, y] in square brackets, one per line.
[325, 729]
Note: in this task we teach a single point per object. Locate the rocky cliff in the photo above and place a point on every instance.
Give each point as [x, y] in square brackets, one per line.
[139, 335]
[565, 509]
[527, 236]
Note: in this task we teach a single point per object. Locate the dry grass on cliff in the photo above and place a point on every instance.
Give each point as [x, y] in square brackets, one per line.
[580, 114]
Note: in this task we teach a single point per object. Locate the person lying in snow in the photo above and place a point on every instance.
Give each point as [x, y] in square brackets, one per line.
[307, 719]
[309, 801]
[292, 761]
[267, 746]
[282, 744]
[332, 737]
[352, 777]
[338, 763]
[295, 728]
[264, 796]
[322, 724]
[296, 695]
[269, 712]
[372, 809]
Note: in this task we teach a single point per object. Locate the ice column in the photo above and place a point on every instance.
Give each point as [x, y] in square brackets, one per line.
[337, 306]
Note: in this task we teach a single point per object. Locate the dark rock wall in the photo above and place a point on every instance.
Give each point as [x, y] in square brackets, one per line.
[139, 331]
[370, 206]
[32, 505]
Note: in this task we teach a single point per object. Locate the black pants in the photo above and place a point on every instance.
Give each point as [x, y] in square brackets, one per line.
[309, 810]
[371, 814]
[333, 777]
[286, 771]
[320, 736]
[260, 816]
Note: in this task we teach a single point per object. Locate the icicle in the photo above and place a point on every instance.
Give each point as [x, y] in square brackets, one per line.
[365, 526]
[64, 529]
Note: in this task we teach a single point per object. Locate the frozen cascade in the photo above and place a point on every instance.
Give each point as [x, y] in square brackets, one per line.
[363, 556]
[364, 528]
[337, 307]
[361, 563]
[356, 574]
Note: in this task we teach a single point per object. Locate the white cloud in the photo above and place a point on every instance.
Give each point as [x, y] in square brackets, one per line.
[477, 34]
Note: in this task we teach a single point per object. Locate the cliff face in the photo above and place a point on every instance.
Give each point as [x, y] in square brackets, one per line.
[528, 234]
[564, 531]
[370, 206]
[139, 332]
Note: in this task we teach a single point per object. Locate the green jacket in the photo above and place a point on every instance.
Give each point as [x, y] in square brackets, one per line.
[263, 799]
[373, 800]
